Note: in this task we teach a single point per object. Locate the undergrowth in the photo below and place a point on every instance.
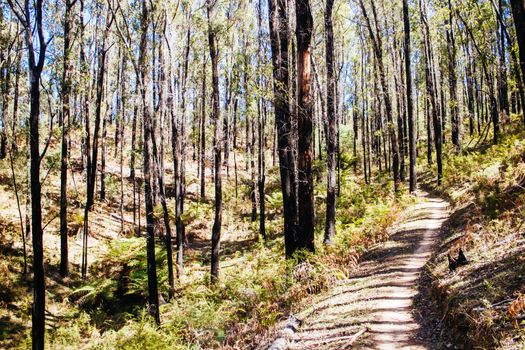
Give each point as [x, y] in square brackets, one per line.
[258, 286]
[481, 301]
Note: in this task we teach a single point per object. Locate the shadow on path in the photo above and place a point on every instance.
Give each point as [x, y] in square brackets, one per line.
[380, 295]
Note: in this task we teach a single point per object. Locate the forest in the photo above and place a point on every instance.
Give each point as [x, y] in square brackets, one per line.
[265, 174]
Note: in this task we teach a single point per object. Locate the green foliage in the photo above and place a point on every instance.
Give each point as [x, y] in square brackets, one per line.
[52, 160]
[348, 161]
[196, 210]
[274, 201]
[257, 287]
[112, 183]
[98, 293]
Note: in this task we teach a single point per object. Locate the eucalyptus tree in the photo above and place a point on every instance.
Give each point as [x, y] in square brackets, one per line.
[303, 32]
[217, 144]
[66, 112]
[331, 124]
[280, 40]
[518, 13]
[31, 17]
[409, 101]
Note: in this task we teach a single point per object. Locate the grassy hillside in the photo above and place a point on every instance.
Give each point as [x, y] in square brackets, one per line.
[483, 303]
[258, 286]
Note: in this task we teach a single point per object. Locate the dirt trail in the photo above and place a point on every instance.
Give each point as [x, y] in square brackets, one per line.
[380, 296]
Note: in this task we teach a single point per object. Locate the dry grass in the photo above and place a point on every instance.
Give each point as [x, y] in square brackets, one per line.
[481, 302]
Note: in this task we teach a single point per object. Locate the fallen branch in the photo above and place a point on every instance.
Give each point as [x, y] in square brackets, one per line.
[352, 340]
[499, 305]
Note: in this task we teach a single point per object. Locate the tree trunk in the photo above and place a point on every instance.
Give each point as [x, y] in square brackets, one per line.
[518, 13]
[303, 31]
[203, 132]
[5, 77]
[132, 155]
[409, 109]
[331, 121]
[36, 65]
[431, 96]
[217, 144]
[261, 106]
[279, 38]
[470, 92]
[121, 125]
[503, 97]
[18, 74]
[36, 213]
[104, 147]
[153, 297]
[377, 46]
[92, 162]
[66, 92]
[452, 81]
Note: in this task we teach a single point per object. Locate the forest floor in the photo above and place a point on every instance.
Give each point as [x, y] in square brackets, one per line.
[378, 301]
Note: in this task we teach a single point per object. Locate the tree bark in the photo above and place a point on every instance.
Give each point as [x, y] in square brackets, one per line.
[452, 81]
[518, 13]
[5, 77]
[331, 121]
[409, 105]
[92, 162]
[262, 135]
[203, 132]
[279, 39]
[153, 297]
[431, 96]
[66, 92]
[36, 65]
[217, 144]
[303, 32]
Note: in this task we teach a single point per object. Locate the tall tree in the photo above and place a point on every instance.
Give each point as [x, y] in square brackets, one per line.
[503, 97]
[452, 80]
[331, 124]
[279, 39]
[31, 18]
[303, 32]
[518, 13]
[66, 111]
[153, 297]
[378, 53]
[203, 132]
[261, 108]
[409, 103]
[91, 170]
[217, 144]
[5, 82]
[431, 104]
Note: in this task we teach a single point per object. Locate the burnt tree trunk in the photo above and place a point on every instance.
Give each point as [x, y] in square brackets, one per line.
[452, 81]
[279, 38]
[431, 96]
[217, 144]
[303, 32]
[66, 111]
[153, 297]
[331, 131]
[36, 65]
[518, 13]
[409, 104]
[203, 132]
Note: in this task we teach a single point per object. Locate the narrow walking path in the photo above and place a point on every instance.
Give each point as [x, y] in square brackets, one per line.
[378, 300]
